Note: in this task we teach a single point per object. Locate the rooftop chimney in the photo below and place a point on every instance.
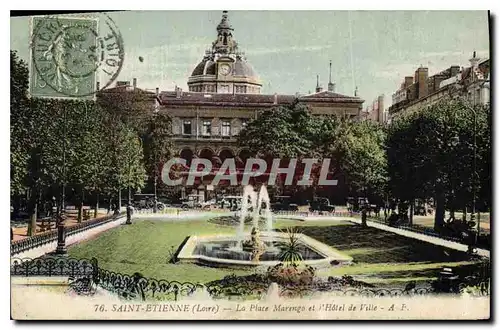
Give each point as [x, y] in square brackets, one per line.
[134, 83]
[275, 98]
[318, 89]
[178, 91]
[474, 60]
[331, 85]
[356, 91]
[157, 91]
[421, 76]
[408, 81]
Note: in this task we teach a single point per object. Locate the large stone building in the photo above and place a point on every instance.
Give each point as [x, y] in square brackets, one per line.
[420, 90]
[224, 95]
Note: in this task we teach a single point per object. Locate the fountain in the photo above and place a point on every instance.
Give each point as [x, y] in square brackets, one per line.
[252, 205]
[257, 247]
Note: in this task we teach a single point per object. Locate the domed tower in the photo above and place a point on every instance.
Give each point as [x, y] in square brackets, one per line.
[224, 69]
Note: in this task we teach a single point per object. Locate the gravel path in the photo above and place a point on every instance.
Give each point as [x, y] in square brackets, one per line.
[73, 239]
[423, 237]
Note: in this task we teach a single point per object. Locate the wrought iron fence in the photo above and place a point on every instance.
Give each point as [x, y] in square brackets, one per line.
[51, 266]
[85, 277]
[49, 237]
[137, 286]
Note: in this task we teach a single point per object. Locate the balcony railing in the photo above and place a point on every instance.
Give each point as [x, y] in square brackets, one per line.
[212, 137]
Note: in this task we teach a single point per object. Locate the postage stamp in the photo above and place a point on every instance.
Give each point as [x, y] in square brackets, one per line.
[69, 54]
[318, 165]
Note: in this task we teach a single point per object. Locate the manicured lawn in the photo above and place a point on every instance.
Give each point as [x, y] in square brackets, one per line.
[379, 257]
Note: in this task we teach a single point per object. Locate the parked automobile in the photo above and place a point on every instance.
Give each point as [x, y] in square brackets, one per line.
[146, 201]
[209, 204]
[282, 203]
[233, 203]
[321, 204]
[191, 201]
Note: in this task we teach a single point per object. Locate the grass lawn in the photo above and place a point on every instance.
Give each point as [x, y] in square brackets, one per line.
[379, 257]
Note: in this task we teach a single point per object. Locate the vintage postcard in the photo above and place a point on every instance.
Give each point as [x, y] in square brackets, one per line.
[250, 165]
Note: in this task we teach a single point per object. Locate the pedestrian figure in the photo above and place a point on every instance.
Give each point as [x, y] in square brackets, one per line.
[363, 216]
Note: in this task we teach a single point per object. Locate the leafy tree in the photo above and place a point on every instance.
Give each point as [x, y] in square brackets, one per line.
[157, 142]
[359, 150]
[130, 106]
[285, 131]
[19, 111]
[430, 155]
[130, 171]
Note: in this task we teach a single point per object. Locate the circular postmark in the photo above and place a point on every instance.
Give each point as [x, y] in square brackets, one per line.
[71, 54]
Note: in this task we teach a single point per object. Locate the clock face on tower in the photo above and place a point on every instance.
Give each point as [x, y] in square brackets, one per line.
[224, 69]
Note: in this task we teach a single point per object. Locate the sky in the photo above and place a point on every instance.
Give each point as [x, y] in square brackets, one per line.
[372, 50]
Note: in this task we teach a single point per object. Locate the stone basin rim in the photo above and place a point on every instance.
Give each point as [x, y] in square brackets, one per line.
[329, 254]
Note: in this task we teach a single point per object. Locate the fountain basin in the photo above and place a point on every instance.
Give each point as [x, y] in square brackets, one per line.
[225, 251]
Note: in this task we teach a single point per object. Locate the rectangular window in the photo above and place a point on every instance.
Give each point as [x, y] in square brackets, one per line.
[226, 128]
[206, 128]
[186, 127]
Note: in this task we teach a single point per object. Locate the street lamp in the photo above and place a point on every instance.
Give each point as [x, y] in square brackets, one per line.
[474, 233]
[474, 175]
[61, 230]
[63, 193]
[155, 209]
[61, 236]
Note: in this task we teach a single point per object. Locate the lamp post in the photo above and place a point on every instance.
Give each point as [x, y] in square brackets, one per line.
[473, 184]
[61, 236]
[63, 193]
[61, 230]
[473, 232]
[155, 209]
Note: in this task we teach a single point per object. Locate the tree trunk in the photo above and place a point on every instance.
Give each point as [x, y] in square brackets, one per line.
[440, 209]
[33, 214]
[80, 207]
[464, 214]
[110, 204]
[96, 208]
[452, 207]
[478, 223]
[16, 206]
[119, 200]
[412, 205]
[363, 217]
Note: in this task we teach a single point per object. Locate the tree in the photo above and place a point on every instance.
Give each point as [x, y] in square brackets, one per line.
[130, 106]
[131, 172]
[359, 150]
[430, 155]
[157, 143]
[284, 132]
[19, 111]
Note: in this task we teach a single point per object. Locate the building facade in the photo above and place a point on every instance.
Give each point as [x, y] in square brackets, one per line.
[224, 95]
[376, 111]
[420, 90]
